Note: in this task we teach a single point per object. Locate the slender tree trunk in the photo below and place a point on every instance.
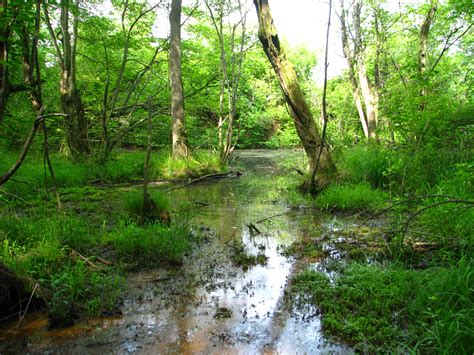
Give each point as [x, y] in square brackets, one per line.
[348, 53]
[423, 48]
[324, 113]
[179, 148]
[365, 95]
[370, 100]
[4, 35]
[302, 116]
[369, 93]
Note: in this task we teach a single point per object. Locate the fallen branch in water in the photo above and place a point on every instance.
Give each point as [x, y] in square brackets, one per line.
[103, 261]
[253, 230]
[271, 217]
[215, 176]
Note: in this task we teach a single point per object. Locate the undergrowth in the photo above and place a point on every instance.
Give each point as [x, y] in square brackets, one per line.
[389, 308]
[358, 197]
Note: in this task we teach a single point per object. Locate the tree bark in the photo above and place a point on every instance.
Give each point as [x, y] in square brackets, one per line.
[71, 102]
[4, 36]
[300, 112]
[179, 148]
[365, 94]
[423, 48]
[348, 53]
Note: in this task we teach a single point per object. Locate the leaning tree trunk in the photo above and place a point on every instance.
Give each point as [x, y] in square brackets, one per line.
[179, 148]
[300, 112]
[370, 100]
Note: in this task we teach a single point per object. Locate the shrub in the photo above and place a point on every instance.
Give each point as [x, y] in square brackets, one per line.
[200, 163]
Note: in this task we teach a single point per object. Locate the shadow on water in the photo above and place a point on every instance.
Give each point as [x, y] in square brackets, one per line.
[212, 304]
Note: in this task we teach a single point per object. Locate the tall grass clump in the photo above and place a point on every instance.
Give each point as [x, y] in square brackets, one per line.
[45, 250]
[358, 197]
[134, 205]
[150, 245]
[365, 163]
[449, 224]
[442, 312]
[200, 163]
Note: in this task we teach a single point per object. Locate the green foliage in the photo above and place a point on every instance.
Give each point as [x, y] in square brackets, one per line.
[200, 163]
[134, 205]
[351, 197]
[450, 224]
[40, 248]
[150, 245]
[377, 308]
[365, 163]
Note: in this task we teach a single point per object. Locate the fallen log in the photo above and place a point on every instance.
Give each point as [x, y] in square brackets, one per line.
[215, 176]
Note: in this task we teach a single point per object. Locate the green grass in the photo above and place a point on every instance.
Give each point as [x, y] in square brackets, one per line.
[358, 197]
[46, 247]
[151, 245]
[200, 163]
[123, 166]
[365, 163]
[391, 309]
[134, 205]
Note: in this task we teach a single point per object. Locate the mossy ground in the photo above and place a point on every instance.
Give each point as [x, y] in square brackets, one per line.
[406, 287]
[78, 253]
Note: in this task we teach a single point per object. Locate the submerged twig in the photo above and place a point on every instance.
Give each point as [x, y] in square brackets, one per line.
[271, 217]
[28, 304]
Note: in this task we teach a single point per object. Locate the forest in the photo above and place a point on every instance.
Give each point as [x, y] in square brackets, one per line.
[181, 177]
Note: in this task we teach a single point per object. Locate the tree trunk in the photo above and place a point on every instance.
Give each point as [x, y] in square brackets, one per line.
[369, 93]
[423, 47]
[348, 53]
[179, 148]
[4, 34]
[300, 112]
[370, 100]
[365, 94]
[71, 103]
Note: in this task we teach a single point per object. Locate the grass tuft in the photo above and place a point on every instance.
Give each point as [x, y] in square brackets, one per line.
[359, 197]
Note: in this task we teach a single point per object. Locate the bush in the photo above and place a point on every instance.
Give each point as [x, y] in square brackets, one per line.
[351, 197]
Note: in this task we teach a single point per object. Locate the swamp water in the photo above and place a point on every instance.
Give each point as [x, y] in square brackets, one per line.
[228, 295]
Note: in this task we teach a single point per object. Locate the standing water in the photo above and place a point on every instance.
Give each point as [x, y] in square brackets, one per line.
[228, 295]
